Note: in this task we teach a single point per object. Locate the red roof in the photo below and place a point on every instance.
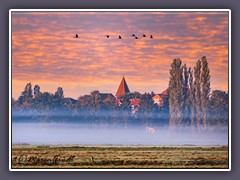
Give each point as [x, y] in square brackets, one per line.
[157, 96]
[165, 92]
[134, 102]
[123, 88]
[158, 99]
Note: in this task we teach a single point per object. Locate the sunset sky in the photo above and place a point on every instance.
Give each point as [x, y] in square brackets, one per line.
[45, 52]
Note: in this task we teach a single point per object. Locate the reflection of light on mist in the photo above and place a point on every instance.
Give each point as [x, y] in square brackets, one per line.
[89, 134]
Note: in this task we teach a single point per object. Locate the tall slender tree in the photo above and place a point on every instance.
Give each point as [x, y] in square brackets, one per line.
[197, 75]
[191, 99]
[176, 94]
[186, 110]
[205, 89]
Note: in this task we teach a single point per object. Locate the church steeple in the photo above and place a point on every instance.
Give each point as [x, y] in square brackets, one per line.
[123, 88]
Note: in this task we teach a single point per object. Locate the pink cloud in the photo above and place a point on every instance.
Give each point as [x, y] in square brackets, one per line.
[44, 49]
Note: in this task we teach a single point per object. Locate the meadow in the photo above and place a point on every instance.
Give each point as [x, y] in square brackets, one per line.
[120, 157]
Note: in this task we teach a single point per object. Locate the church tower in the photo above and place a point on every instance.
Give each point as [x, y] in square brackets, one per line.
[123, 88]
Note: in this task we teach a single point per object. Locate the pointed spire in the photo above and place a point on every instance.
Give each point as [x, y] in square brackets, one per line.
[123, 88]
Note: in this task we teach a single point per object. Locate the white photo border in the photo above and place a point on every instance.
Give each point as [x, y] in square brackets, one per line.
[118, 10]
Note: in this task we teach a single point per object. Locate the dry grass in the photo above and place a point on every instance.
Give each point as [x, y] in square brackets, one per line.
[119, 157]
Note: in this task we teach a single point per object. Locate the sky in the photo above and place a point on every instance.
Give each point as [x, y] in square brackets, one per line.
[45, 52]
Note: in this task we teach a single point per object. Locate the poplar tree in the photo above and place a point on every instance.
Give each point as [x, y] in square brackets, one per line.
[205, 89]
[176, 94]
[185, 95]
[197, 75]
[192, 99]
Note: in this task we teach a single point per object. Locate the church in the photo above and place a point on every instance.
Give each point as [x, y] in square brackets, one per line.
[123, 88]
[135, 102]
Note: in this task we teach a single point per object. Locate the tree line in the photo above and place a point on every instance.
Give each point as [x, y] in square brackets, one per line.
[89, 108]
[190, 102]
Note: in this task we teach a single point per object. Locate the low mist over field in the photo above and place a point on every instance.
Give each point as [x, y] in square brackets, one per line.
[94, 134]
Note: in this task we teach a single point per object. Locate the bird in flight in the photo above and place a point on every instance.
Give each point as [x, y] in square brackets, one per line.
[136, 37]
[133, 35]
[76, 36]
[107, 36]
[119, 37]
[151, 36]
[144, 35]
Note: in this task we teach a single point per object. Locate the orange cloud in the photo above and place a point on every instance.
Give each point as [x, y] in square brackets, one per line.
[200, 18]
[45, 52]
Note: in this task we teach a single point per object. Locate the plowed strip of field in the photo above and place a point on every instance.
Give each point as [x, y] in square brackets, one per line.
[119, 157]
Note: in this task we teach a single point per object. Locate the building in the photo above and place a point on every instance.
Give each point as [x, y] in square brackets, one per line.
[69, 101]
[135, 105]
[104, 96]
[123, 88]
[135, 102]
[159, 98]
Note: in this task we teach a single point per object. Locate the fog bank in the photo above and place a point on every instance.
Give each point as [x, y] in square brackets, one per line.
[97, 134]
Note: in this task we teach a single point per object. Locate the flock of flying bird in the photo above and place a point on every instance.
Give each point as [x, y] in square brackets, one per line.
[120, 37]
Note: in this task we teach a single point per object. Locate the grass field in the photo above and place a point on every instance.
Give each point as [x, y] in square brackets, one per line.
[119, 157]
